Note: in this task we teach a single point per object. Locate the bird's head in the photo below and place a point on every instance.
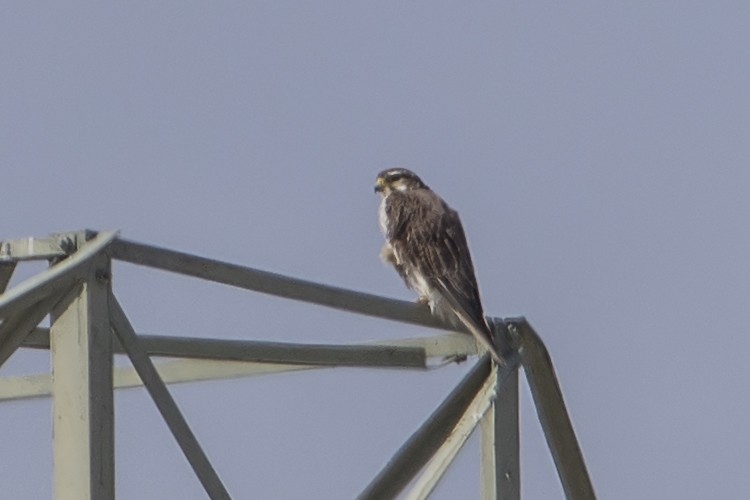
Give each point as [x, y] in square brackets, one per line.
[397, 179]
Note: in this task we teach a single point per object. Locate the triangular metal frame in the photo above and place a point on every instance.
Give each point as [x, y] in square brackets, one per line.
[89, 325]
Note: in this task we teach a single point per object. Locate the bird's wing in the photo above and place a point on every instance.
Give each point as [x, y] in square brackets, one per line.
[428, 235]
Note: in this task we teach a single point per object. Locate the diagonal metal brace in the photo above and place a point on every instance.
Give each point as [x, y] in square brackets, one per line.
[423, 444]
[165, 403]
[15, 329]
[551, 410]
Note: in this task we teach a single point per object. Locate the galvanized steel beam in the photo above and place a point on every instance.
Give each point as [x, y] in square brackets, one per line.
[437, 466]
[15, 329]
[55, 279]
[33, 248]
[423, 444]
[406, 353]
[83, 406]
[166, 404]
[171, 372]
[551, 410]
[82, 361]
[500, 471]
[193, 370]
[274, 284]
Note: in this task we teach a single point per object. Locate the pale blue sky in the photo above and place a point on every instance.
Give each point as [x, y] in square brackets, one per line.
[597, 151]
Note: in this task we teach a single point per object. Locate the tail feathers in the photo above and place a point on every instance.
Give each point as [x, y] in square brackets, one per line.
[477, 326]
[482, 334]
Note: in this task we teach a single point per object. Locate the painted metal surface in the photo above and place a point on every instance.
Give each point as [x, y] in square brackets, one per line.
[166, 404]
[84, 314]
[55, 279]
[551, 410]
[83, 402]
[438, 465]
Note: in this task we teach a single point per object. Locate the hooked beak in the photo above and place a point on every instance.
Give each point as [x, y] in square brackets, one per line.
[379, 185]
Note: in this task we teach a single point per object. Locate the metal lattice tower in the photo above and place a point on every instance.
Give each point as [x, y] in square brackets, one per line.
[88, 326]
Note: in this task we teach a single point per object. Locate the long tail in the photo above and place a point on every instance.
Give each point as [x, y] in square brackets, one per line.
[479, 328]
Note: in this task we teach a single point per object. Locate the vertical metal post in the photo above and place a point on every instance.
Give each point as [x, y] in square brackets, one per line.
[500, 470]
[83, 426]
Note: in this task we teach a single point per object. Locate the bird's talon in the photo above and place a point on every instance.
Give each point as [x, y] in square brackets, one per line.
[456, 358]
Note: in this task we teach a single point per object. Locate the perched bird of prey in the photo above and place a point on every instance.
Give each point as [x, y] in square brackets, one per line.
[426, 244]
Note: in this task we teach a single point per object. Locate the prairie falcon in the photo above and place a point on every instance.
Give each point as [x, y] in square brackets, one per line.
[426, 244]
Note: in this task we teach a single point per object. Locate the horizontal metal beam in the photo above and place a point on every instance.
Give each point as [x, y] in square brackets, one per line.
[279, 352]
[423, 444]
[172, 372]
[405, 353]
[274, 284]
[55, 279]
[446, 347]
[194, 370]
[270, 352]
[551, 410]
[32, 248]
